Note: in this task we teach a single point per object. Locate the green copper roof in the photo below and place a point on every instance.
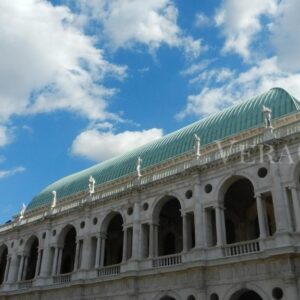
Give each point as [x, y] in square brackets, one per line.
[242, 116]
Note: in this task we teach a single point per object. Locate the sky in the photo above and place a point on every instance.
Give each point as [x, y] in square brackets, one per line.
[82, 81]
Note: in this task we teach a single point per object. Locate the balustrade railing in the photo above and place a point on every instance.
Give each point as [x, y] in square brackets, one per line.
[26, 284]
[61, 279]
[242, 248]
[109, 271]
[165, 261]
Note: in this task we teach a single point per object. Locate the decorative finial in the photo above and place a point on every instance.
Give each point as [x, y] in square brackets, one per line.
[138, 166]
[22, 211]
[267, 115]
[92, 182]
[53, 204]
[197, 145]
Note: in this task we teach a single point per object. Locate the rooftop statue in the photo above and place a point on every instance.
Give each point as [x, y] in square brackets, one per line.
[92, 182]
[138, 166]
[197, 145]
[53, 204]
[22, 211]
[267, 115]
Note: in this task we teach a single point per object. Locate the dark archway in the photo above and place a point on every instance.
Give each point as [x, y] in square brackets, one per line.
[240, 212]
[33, 248]
[170, 228]
[114, 241]
[3, 262]
[69, 251]
[246, 294]
[167, 298]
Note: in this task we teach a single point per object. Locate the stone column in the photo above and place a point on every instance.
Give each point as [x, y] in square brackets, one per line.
[98, 249]
[21, 266]
[13, 270]
[296, 206]
[261, 216]
[155, 239]
[8, 261]
[136, 241]
[220, 224]
[151, 240]
[59, 259]
[102, 250]
[86, 253]
[55, 259]
[184, 233]
[124, 257]
[38, 263]
[199, 218]
[76, 262]
[280, 200]
[25, 267]
[291, 292]
[45, 265]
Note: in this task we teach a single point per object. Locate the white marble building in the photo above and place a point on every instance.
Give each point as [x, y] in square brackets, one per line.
[208, 212]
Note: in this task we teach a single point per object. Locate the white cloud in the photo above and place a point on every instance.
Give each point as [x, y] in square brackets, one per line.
[201, 20]
[5, 136]
[11, 172]
[126, 23]
[240, 21]
[97, 145]
[47, 63]
[285, 35]
[254, 81]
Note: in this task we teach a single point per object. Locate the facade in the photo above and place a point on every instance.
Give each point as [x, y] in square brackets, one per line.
[208, 212]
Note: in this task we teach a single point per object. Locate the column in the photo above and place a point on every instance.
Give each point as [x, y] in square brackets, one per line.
[102, 251]
[59, 259]
[136, 241]
[76, 262]
[45, 263]
[25, 267]
[279, 200]
[124, 245]
[98, 249]
[55, 259]
[86, 253]
[220, 224]
[296, 206]
[38, 263]
[261, 216]
[151, 240]
[291, 292]
[184, 233]
[155, 239]
[8, 261]
[199, 218]
[21, 266]
[13, 270]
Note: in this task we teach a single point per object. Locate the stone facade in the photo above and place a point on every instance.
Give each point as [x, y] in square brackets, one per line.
[202, 227]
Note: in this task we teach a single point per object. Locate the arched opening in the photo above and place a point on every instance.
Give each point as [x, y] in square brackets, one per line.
[114, 241]
[3, 262]
[33, 248]
[240, 212]
[246, 294]
[170, 228]
[167, 298]
[69, 251]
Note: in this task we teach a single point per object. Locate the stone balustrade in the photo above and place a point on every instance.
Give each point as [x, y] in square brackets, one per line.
[242, 248]
[109, 271]
[166, 261]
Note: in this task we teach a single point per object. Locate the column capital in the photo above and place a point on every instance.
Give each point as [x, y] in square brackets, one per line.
[257, 195]
[292, 187]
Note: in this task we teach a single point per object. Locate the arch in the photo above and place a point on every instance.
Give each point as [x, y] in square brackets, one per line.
[170, 295]
[112, 227]
[31, 249]
[160, 201]
[67, 238]
[3, 262]
[238, 290]
[240, 211]
[246, 294]
[169, 236]
[228, 180]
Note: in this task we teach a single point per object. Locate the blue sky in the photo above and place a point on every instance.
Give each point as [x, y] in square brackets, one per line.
[85, 80]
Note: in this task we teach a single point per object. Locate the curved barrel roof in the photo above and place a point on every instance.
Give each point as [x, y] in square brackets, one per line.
[235, 119]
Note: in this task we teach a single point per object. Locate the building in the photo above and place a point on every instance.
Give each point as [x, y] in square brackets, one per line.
[208, 212]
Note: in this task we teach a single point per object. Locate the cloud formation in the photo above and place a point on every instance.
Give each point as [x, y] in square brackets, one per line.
[98, 146]
[11, 172]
